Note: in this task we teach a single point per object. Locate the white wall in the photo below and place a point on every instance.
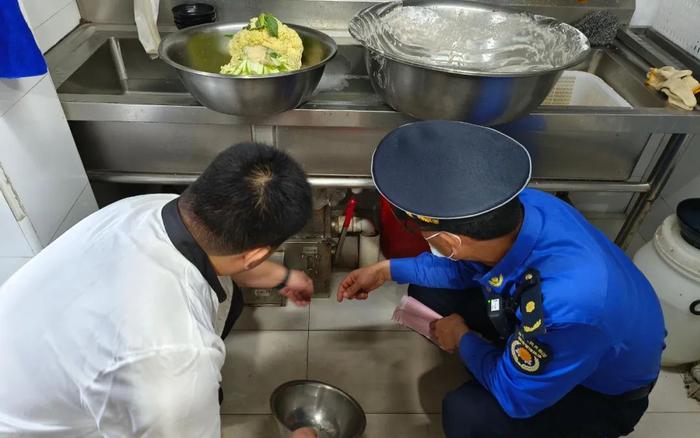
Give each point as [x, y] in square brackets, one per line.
[677, 20]
[645, 12]
[43, 186]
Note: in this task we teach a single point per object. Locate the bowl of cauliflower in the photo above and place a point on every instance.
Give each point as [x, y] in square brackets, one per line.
[254, 69]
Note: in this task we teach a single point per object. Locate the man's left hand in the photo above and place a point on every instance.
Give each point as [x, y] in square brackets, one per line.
[448, 331]
[299, 288]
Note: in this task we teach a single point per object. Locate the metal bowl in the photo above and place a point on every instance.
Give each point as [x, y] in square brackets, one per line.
[430, 90]
[325, 408]
[198, 53]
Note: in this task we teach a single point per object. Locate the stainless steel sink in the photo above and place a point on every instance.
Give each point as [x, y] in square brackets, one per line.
[120, 67]
[134, 123]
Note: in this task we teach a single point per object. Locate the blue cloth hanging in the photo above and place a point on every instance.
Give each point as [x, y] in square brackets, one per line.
[19, 54]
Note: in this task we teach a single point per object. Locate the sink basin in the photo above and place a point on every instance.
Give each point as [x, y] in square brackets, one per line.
[120, 67]
[100, 73]
[133, 120]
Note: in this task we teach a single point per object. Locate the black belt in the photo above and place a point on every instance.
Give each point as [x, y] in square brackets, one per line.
[635, 394]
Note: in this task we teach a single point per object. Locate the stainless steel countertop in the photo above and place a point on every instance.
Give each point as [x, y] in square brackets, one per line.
[134, 123]
[180, 107]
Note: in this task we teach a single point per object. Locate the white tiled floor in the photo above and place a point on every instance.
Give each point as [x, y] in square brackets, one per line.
[397, 376]
[387, 372]
[371, 314]
[274, 318]
[256, 363]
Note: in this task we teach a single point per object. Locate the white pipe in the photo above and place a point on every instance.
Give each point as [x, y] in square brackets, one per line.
[357, 225]
[369, 250]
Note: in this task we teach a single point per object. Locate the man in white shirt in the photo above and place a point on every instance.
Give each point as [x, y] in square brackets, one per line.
[110, 330]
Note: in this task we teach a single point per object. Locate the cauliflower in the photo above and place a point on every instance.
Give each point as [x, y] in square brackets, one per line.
[265, 46]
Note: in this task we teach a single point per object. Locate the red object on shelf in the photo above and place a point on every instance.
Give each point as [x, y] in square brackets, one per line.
[395, 240]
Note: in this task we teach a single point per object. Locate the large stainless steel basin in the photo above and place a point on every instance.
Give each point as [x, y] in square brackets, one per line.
[197, 53]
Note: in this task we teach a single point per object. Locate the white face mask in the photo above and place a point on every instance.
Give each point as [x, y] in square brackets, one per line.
[436, 252]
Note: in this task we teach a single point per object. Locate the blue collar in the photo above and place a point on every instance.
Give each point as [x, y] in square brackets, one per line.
[519, 252]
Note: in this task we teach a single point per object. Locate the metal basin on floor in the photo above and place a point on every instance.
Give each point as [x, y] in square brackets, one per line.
[309, 404]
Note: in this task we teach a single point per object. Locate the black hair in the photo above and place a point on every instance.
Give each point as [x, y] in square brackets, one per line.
[492, 225]
[250, 196]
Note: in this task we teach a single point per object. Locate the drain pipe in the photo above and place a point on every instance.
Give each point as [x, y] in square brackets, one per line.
[369, 251]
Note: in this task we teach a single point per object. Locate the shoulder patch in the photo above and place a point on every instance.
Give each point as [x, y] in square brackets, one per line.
[531, 311]
[527, 354]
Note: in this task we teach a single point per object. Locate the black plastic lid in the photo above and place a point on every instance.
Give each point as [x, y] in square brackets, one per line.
[688, 212]
[193, 10]
[192, 22]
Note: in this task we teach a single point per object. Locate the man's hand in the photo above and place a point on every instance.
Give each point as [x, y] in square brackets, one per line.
[359, 283]
[299, 288]
[304, 432]
[448, 331]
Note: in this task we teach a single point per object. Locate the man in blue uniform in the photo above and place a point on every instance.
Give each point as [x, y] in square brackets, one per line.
[562, 333]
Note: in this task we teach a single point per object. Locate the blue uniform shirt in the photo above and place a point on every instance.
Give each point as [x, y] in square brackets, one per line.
[604, 326]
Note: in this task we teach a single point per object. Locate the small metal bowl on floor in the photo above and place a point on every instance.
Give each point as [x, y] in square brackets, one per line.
[328, 410]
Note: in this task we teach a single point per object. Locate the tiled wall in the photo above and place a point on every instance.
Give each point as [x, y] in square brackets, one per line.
[50, 20]
[43, 186]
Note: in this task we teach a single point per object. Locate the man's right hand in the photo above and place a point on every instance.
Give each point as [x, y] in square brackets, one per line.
[305, 432]
[360, 282]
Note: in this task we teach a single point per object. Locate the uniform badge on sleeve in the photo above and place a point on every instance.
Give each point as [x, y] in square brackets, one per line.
[531, 310]
[527, 354]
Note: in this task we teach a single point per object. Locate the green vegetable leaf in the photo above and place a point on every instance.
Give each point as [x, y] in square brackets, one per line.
[271, 25]
[255, 24]
[274, 55]
[229, 35]
[267, 22]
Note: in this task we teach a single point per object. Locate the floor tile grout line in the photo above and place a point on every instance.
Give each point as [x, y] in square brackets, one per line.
[359, 330]
[366, 413]
[672, 412]
[237, 330]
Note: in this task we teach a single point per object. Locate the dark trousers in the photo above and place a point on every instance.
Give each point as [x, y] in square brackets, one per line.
[470, 411]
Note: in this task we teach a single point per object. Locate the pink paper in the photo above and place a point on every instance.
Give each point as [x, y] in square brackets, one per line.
[415, 315]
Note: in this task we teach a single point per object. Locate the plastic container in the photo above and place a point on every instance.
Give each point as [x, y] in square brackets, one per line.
[672, 265]
[193, 14]
[579, 88]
